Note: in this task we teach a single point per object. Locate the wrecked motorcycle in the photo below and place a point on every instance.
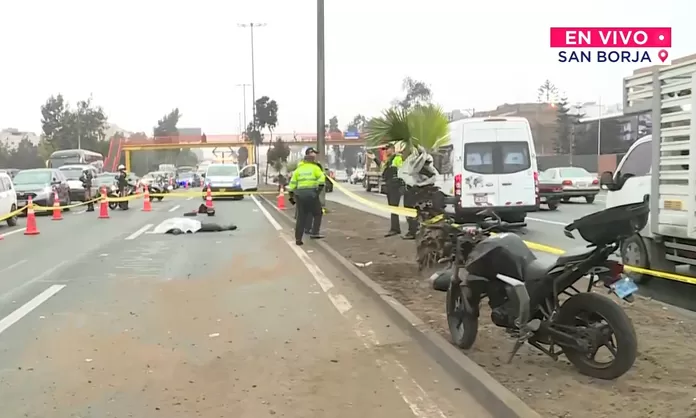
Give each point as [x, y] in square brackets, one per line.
[535, 298]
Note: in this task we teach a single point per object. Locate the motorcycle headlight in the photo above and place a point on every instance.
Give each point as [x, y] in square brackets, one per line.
[114, 188]
[170, 188]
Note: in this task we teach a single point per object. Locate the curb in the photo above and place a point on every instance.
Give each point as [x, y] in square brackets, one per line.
[493, 396]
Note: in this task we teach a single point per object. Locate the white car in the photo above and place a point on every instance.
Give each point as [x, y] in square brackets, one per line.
[8, 199]
[577, 182]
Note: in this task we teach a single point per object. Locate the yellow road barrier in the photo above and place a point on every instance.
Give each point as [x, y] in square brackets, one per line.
[11, 214]
[532, 245]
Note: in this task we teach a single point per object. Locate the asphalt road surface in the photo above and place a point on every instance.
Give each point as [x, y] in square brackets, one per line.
[101, 318]
[546, 227]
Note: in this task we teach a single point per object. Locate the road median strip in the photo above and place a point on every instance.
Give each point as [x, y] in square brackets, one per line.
[493, 396]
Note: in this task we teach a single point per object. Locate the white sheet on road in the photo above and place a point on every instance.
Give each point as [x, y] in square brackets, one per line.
[184, 224]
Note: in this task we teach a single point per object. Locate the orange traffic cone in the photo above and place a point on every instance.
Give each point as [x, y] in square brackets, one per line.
[281, 199]
[147, 205]
[103, 206]
[31, 219]
[208, 198]
[57, 214]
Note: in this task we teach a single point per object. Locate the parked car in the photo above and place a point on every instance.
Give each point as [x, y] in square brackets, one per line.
[550, 191]
[9, 171]
[576, 181]
[72, 173]
[341, 175]
[41, 184]
[107, 180]
[8, 198]
[190, 178]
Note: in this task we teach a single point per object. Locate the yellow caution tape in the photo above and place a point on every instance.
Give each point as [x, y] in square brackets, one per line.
[12, 214]
[532, 245]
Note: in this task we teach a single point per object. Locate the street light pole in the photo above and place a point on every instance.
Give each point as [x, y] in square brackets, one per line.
[251, 26]
[321, 84]
[244, 86]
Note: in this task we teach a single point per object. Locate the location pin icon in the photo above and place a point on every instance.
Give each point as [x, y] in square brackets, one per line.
[662, 55]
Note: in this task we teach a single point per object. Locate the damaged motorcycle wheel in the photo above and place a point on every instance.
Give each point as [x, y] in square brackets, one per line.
[463, 325]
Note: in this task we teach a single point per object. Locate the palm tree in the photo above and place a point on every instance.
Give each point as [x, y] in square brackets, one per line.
[418, 133]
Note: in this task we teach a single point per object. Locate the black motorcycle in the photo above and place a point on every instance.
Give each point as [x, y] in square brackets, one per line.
[535, 299]
[158, 187]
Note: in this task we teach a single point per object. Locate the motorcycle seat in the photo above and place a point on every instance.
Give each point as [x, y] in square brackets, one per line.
[575, 254]
[539, 267]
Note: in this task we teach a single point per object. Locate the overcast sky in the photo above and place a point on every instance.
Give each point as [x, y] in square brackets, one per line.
[139, 59]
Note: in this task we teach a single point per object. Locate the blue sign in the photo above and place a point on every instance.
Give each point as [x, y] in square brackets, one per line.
[351, 135]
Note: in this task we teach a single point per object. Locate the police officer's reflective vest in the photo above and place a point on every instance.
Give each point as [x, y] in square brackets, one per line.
[390, 167]
[306, 176]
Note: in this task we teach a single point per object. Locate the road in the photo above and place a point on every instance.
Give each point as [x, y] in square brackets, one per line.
[102, 318]
[546, 227]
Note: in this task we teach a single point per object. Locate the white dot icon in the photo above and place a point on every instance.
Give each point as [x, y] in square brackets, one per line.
[661, 37]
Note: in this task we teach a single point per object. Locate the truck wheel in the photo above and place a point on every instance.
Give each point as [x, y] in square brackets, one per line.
[589, 199]
[634, 253]
[552, 205]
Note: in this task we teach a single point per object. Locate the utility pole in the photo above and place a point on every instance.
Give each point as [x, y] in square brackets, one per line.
[244, 105]
[321, 99]
[251, 26]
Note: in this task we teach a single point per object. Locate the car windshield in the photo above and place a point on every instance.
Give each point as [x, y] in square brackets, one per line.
[104, 179]
[574, 172]
[33, 177]
[72, 173]
[223, 170]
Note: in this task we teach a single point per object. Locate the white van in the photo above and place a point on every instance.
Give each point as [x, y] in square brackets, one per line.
[8, 198]
[494, 165]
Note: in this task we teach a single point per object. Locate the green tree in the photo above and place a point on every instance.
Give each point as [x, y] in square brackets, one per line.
[5, 161]
[547, 92]
[416, 93]
[167, 127]
[266, 114]
[243, 156]
[564, 128]
[64, 128]
[277, 156]
[26, 155]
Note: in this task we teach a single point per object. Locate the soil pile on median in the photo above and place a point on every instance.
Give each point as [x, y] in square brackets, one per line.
[661, 384]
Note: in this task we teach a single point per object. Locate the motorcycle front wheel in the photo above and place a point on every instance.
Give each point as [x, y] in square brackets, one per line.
[463, 325]
[113, 205]
[606, 329]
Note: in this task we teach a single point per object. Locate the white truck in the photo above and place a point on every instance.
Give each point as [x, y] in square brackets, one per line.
[661, 166]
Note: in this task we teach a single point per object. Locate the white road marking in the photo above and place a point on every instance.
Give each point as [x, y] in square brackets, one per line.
[35, 279]
[546, 221]
[190, 198]
[139, 232]
[340, 302]
[11, 266]
[174, 208]
[268, 216]
[25, 309]
[15, 231]
[80, 212]
[417, 399]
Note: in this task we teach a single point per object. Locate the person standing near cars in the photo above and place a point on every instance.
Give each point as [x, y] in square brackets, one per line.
[86, 179]
[394, 185]
[304, 188]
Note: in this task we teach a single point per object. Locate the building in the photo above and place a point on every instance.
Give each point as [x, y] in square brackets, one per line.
[11, 137]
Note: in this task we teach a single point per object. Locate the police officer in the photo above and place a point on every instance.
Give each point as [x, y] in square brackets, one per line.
[86, 179]
[305, 186]
[394, 185]
[310, 216]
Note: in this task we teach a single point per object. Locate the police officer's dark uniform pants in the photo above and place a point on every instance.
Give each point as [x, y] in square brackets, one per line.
[308, 207]
[410, 202]
[88, 197]
[394, 199]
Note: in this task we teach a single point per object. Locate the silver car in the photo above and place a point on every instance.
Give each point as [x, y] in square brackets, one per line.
[576, 181]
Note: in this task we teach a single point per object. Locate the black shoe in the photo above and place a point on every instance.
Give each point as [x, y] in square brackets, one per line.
[316, 236]
[299, 243]
[308, 231]
[409, 237]
[391, 234]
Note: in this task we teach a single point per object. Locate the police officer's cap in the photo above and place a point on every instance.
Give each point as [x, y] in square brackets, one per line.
[310, 150]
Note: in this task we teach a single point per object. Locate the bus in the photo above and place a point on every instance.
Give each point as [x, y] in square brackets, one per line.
[76, 156]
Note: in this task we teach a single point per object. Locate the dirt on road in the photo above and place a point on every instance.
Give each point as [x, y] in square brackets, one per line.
[661, 384]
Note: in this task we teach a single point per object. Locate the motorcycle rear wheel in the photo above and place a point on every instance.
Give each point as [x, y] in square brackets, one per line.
[463, 326]
[598, 307]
